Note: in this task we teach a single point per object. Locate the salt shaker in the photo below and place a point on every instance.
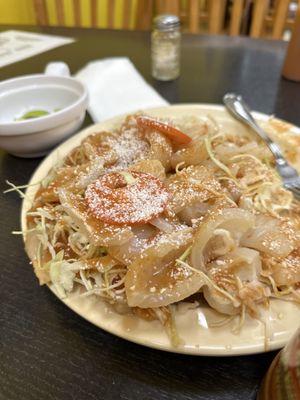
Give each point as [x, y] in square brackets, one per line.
[165, 47]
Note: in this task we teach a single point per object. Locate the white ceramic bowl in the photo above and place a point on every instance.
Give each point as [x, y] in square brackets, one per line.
[64, 97]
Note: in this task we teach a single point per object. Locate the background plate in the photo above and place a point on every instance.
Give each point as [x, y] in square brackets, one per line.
[283, 318]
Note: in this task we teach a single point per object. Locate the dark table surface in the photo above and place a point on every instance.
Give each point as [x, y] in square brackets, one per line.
[46, 350]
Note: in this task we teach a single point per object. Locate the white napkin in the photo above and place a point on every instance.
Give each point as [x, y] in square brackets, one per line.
[116, 87]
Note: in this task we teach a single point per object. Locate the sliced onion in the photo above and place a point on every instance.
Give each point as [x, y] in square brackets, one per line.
[162, 224]
[287, 271]
[128, 251]
[242, 262]
[236, 221]
[271, 235]
[252, 293]
[156, 280]
[223, 242]
[219, 302]
[246, 264]
[90, 174]
[233, 190]
[194, 184]
[193, 154]
[193, 211]
[153, 167]
[227, 150]
[160, 148]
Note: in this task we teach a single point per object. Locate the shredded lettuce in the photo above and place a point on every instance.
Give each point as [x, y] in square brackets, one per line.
[130, 180]
[215, 160]
[62, 273]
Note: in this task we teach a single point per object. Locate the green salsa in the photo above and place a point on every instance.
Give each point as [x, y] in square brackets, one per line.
[34, 114]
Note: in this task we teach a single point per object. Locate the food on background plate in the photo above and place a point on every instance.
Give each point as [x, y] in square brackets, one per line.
[158, 212]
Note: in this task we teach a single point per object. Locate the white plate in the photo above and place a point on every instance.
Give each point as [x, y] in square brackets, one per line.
[283, 317]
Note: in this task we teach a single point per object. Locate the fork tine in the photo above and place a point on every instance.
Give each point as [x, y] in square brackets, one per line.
[294, 189]
[296, 192]
[292, 185]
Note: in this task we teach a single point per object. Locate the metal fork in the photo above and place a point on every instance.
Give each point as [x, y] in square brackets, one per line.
[239, 109]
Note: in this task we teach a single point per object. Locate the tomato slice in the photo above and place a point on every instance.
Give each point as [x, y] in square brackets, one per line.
[117, 200]
[172, 133]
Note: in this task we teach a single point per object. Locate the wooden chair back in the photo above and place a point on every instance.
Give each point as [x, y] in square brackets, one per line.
[256, 18]
[142, 11]
[266, 18]
[270, 18]
[212, 12]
